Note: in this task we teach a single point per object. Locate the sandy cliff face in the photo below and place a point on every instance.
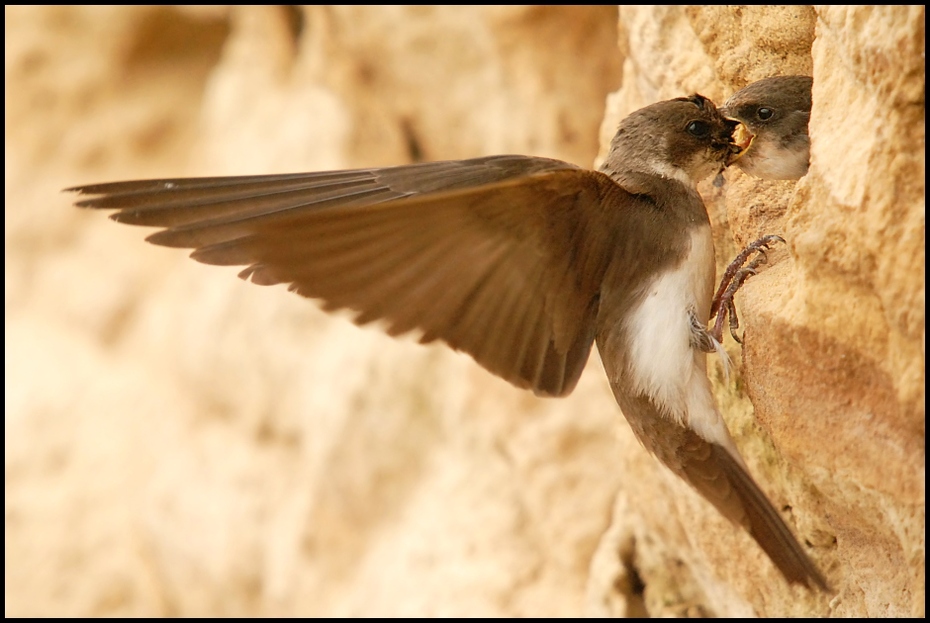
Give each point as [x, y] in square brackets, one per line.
[181, 442]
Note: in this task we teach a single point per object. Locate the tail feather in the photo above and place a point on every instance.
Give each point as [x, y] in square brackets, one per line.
[723, 481]
[766, 526]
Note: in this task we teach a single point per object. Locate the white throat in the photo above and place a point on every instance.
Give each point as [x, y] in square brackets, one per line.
[671, 172]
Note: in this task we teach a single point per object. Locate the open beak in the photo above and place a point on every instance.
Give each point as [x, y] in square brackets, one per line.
[742, 140]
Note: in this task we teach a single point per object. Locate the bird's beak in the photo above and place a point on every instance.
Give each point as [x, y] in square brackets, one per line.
[742, 140]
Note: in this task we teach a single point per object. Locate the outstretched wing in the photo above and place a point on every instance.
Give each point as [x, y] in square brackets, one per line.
[500, 257]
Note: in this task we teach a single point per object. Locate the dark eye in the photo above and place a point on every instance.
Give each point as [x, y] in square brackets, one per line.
[765, 113]
[699, 129]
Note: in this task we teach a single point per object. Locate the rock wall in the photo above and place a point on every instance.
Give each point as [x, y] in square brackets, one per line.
[179, 442]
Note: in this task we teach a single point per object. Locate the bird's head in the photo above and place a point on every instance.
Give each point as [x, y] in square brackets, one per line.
[773, 114]
[684, 139]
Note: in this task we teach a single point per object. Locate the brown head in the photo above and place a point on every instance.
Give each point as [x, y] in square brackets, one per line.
[685, 139]
[775, 111]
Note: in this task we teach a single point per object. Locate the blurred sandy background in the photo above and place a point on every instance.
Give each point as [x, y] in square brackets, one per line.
[179, 442]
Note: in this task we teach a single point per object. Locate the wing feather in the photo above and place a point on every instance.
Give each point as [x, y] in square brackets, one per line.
[486, 255]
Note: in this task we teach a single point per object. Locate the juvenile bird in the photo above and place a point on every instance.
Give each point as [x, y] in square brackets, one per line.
[775, 111]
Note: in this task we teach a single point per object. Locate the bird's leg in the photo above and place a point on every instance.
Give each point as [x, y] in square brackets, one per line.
[760, 245]
[701, 338]
[734, 276]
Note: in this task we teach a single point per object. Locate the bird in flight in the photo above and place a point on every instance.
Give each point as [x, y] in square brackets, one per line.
[521, 262]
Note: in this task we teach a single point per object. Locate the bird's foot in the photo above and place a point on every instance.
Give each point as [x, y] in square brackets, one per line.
[701, 338]
[704, 340]
[736, 273]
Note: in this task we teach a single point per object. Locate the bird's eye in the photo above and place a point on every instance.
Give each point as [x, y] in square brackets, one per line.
[699, 129]
[765, 113]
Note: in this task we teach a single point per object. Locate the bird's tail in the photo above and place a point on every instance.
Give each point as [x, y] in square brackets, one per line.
[722, 479]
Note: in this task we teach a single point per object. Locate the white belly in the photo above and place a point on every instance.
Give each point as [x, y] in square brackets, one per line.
[662, 363]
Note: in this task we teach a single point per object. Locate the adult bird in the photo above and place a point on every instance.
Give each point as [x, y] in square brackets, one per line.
[521, 262]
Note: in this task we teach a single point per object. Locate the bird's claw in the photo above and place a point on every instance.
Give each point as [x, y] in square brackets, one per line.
[736, 273]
